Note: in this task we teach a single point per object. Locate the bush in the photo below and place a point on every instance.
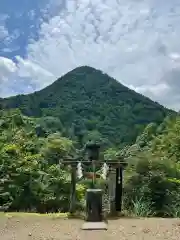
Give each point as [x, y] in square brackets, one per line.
[150, 183]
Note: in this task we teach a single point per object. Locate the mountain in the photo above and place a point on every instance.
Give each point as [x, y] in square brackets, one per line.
[88, 99]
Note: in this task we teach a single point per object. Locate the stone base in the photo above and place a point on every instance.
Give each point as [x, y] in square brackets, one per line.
[94, 226]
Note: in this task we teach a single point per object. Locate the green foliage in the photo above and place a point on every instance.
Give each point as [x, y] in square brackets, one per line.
[150, 181]
[28, 180]
[153, 174]
[57, 148]
[110, 153]
[141, 208]
[49, 125]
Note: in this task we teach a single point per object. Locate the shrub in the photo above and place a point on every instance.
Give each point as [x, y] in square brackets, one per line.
[151, 184]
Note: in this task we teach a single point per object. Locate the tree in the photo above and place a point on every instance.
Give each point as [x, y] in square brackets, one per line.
[57, 148]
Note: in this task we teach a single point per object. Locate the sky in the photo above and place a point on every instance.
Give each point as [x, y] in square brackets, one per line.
[134, 41]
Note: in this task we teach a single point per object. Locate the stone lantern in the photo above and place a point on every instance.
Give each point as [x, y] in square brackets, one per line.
[92, 151]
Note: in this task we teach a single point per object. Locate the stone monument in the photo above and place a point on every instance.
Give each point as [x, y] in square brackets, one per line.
[94, 196]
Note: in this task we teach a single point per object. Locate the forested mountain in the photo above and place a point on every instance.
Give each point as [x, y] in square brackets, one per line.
[92, 102]
[89, 104]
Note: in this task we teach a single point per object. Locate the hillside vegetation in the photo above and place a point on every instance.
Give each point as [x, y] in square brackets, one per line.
[32, 180]
[38, 130]
[89, 102]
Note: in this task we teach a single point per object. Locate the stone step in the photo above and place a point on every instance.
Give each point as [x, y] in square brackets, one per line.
[94, 226]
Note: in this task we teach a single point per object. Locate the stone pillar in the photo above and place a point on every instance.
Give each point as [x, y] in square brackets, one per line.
[94, 205]
[73, 189]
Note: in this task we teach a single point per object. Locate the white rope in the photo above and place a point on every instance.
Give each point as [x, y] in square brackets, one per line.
[79, 170]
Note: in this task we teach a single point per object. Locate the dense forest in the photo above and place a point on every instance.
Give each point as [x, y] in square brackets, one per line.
[39, 130]
[32, 180]
[90, 101]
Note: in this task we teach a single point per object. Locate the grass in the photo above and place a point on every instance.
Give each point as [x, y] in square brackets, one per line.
[141, 208]
[25, 214]
[174, 211]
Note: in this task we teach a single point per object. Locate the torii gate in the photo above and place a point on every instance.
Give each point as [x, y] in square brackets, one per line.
[115, 184]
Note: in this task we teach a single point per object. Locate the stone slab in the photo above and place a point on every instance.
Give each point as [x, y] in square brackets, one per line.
[94, 190]
[94, 226]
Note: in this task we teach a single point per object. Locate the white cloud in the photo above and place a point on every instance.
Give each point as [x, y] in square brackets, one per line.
[137, 42]
[29, 70]
[28, 74]
[3, 33]
[3, 30]
[7, 68]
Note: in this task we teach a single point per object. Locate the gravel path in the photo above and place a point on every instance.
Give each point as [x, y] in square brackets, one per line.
[45, 228]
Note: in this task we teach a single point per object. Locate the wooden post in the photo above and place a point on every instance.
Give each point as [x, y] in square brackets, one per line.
[119, 188]
[94, 173]
[111, 187]
[73, 189]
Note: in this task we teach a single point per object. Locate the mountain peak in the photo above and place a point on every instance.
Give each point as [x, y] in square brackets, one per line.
[94, 100]
[84, 67]
[84, 70]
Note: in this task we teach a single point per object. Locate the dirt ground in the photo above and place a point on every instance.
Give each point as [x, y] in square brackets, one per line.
[48, 228]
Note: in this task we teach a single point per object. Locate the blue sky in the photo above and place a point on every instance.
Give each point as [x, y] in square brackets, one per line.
[135, 41]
